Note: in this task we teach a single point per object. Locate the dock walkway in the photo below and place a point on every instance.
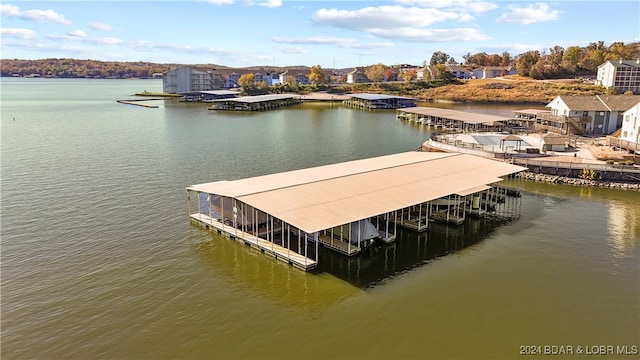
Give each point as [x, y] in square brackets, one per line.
[338, 245]
[275, 250]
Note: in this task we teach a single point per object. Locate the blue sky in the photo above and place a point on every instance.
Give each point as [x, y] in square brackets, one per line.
[285, 33]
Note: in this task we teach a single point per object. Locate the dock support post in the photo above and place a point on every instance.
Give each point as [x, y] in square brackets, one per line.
[188, 202]
[222, 210]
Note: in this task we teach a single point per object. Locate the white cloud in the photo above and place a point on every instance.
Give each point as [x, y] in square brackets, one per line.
[26, 34]
[292, 50]
[101, 26]
[271, 3]
[220, 2]
[403, 23]
[458, 5]
[77, 33]
[435, 35]
[8, 10]
[530, 14]
[335, 41]
[382, 17]
[80, 36]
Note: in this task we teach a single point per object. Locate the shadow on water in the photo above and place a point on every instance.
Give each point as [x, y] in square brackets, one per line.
[380, 262]
[338, 277]
[259, 273]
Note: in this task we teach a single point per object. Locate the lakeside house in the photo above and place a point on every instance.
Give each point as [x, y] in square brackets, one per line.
[586, 114]
[357, 76]
[623, 75]
[629, 133]
[490, 72]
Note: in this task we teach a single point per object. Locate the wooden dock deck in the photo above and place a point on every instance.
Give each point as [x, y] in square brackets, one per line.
[138, 103]
[275, 250]
[338, 245]
[448, 218]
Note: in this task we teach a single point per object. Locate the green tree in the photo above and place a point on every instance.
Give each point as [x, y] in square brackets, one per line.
[571, 58]
[439, 57]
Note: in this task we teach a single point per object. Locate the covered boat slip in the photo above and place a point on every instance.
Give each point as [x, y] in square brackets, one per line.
[452, 119]
[342, 206]
[379, 101]
[256, 103]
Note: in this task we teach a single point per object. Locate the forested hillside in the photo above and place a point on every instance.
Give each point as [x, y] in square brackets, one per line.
[553, 63]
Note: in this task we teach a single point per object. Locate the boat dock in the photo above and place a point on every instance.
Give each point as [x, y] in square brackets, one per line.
[345, 206]
[137, 102]
[379, 101]
[255, 103]
[265, 246]
[452, 120]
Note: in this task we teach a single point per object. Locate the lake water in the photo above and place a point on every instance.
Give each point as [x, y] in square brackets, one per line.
[99, 260]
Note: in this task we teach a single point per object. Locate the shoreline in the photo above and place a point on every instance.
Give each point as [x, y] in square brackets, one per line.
[563, 180]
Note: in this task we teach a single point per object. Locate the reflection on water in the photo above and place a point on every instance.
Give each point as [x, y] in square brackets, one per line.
[623, 209]
[624, 226]
[307, 292]
[410, 250]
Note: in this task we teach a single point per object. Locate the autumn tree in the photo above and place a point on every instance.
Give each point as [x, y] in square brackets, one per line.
[506, 59]
[410, 75]
[526, 61]
[441, 72]
[375, 73]
[246, 81]
[316, 75]
[389, 74]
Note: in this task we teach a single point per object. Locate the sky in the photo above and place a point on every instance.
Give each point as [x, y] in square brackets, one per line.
[338, 34]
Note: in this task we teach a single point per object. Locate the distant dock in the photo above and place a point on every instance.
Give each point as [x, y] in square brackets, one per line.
[379, 101]
[137, 102]
[256, 103]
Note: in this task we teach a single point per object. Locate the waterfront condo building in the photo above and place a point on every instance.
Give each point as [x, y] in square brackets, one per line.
[631, 126]
[189, 79]
[624, 75]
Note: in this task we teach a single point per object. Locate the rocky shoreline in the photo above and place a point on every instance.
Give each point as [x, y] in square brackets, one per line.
[555, 179]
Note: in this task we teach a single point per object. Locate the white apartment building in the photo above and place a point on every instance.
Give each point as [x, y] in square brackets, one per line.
[624, 75]
[631, 125]
[188, 79]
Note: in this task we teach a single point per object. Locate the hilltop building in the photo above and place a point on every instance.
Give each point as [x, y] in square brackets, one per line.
[624, 75]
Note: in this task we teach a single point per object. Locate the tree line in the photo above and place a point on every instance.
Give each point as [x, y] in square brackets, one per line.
[556, 62]
[553, 63]
[74, 68]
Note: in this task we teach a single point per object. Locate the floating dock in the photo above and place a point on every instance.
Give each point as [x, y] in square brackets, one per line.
[137, 102]
[255, 103]
[452, 120]
[379, 101]
[344, 206]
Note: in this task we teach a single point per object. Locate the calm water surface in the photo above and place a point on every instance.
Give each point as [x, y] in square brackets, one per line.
[99, 260]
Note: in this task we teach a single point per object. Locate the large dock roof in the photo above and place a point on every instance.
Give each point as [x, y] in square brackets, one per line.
[322, 197]
[466, 117]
